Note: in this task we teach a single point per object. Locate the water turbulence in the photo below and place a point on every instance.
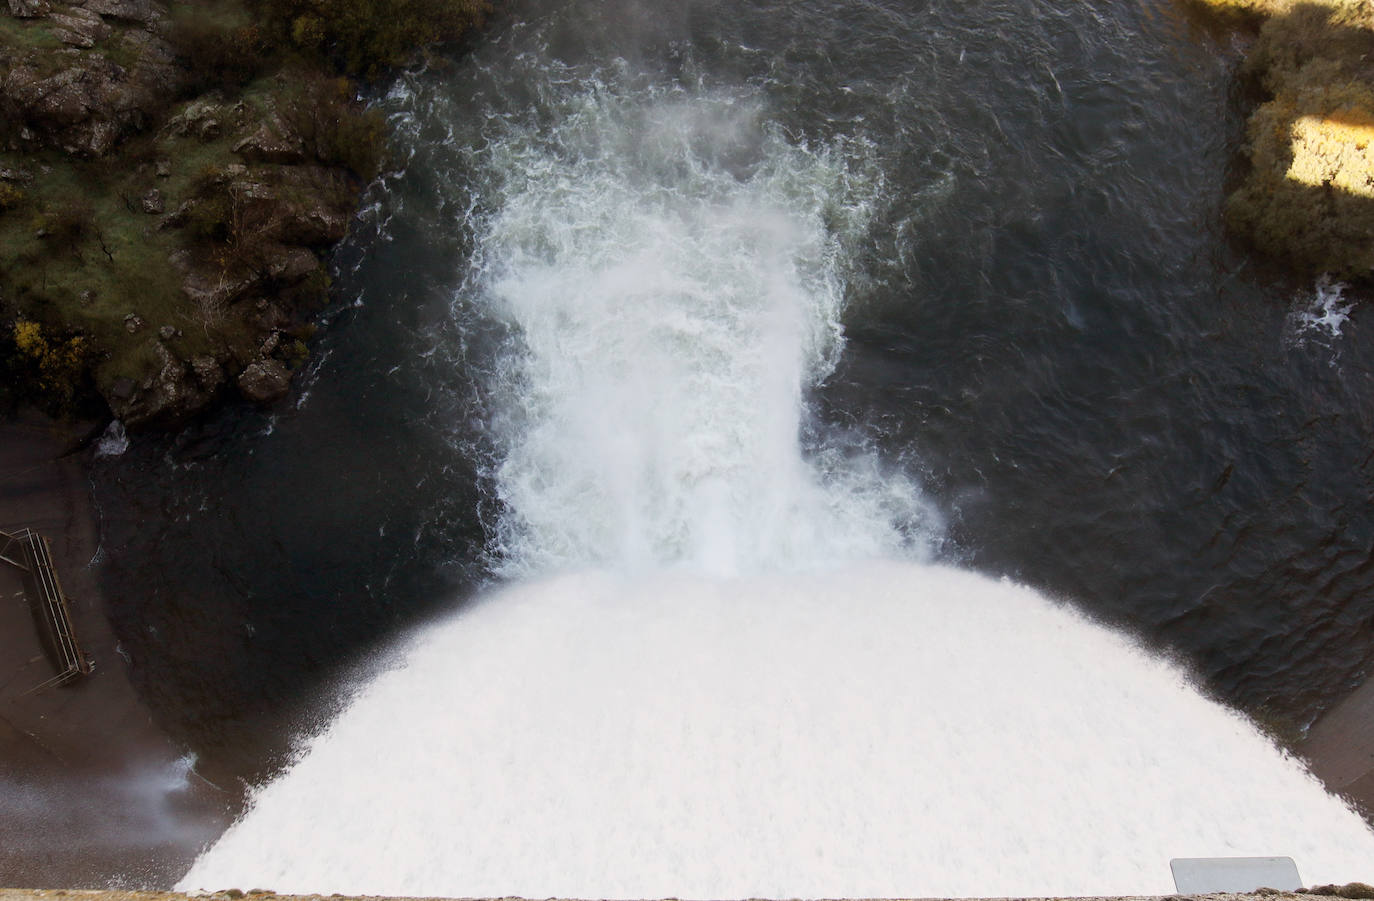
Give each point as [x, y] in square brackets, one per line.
[674, 269]
[724, 665]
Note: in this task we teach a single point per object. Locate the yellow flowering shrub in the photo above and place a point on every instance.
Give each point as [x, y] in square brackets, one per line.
[61, 362]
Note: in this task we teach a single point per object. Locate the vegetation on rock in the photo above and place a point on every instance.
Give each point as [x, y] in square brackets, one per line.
[1308, 192]
[56, 363]
[366, 37]
[172, 178]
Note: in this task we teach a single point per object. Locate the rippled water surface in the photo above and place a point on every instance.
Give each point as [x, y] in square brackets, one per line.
[1034, 354]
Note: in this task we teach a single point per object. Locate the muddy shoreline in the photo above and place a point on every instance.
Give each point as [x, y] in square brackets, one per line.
[91, 792]
[1339, 748]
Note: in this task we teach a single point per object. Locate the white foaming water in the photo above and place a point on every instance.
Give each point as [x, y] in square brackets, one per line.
[1324, 314]
[113, 441]
[733, 696]
[675, 270]
[886, 730]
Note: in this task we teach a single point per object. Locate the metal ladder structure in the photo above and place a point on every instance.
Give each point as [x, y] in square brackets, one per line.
[29, 552]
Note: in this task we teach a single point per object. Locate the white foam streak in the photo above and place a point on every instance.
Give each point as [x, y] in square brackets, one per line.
[1323, 314]
[114, 441]
[674, 271]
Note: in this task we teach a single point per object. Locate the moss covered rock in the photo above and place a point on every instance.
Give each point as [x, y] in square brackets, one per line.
[1307, 197]
[166, 207]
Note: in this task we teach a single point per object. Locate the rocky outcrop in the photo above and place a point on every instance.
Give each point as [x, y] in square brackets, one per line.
[1307, 197]
[244, 230]
[143, 12]
[174, 392]
[79, 27]
[264, 380]
[273, 142]
[29, 9]
[303, 205]
[85, 103]
[206, 117]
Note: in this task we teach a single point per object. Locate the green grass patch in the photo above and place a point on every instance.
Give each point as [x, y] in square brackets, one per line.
[80, 254]
[27, 34]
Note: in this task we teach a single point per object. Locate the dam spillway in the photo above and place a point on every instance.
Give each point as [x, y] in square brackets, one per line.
[857, 732]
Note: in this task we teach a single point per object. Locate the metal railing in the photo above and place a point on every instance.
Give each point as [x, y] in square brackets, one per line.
[29, 552]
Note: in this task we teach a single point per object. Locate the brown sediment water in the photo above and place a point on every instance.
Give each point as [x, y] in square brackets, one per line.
[91, 791]
[1340, 748]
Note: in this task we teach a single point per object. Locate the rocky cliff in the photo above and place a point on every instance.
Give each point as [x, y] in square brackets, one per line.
[169, 191]
[1307, 192]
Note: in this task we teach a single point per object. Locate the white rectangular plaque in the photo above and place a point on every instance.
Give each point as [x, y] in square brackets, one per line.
[1201, 875]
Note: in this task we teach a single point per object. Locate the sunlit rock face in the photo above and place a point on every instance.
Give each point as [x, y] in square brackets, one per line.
[1334, 152]
[1308, 197]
